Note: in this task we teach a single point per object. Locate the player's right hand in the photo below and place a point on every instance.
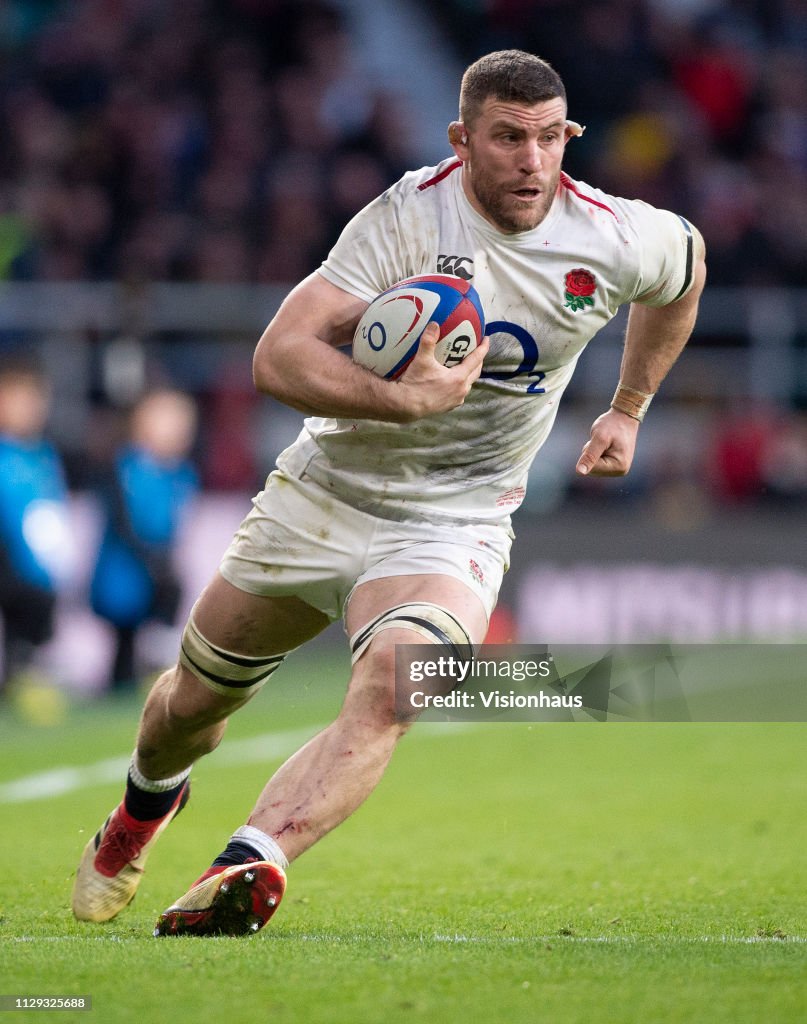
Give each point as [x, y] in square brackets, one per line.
[433, 388]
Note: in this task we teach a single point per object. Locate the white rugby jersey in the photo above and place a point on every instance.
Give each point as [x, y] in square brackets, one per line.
[545, 293]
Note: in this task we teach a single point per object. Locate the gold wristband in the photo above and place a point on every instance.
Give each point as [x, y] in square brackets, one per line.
[632, 402]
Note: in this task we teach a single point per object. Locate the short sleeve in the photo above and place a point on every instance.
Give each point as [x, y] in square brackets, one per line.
[666, 261]
[369, 255]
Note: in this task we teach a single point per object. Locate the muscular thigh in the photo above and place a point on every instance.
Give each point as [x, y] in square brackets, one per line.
[253, 625]
[372, 691]
[458, 572]
[376, 596]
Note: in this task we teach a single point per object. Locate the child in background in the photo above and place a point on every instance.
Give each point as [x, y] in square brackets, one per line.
[36, 551]
[149, 490]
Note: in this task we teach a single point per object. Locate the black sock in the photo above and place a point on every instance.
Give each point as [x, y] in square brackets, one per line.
[237, 852]
[147, 806]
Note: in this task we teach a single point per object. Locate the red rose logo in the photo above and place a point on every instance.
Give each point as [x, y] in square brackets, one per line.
[476, 571]
[580, 282]
[580, 286]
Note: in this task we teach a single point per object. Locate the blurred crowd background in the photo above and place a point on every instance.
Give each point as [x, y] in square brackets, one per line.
[205, 140]
[186, 140]
[227, 142]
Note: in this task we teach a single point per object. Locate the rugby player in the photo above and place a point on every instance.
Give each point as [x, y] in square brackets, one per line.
[392, 509]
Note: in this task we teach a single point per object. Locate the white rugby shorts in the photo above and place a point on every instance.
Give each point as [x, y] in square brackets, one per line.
[299, 540]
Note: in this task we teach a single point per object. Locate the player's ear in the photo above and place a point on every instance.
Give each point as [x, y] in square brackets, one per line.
[458, 138]
[573, 129]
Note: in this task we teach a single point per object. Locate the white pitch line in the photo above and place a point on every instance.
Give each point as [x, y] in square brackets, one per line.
[481, 940]
[616, 939]
[268, 746]
[57, 781]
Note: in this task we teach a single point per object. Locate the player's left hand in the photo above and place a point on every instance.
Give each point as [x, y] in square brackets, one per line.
[609, 452]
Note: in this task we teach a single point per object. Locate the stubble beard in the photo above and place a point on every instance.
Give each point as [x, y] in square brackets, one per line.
[506, 211]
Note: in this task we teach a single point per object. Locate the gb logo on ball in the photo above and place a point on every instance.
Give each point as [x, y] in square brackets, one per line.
[580, 287]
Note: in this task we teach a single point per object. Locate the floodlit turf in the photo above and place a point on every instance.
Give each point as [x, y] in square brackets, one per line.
[504, 872]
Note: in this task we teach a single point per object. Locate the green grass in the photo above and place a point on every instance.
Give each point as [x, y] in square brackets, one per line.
[501, 872]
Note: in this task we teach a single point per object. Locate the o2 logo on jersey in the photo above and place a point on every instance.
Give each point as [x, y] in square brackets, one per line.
[377, 338]
[529, 348]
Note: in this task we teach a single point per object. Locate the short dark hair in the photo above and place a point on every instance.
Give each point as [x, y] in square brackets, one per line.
[16, 366]
[509, 75]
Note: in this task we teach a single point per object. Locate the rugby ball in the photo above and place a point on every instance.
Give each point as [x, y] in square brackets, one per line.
[389, 333]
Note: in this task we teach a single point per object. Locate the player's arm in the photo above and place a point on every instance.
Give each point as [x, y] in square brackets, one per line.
[655, 337]
[298, 362]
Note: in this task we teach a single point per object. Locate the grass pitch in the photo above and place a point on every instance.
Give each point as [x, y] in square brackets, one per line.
[501, 872]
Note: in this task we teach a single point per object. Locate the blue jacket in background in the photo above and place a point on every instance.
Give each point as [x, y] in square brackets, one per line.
[33, 511]
[145, 502]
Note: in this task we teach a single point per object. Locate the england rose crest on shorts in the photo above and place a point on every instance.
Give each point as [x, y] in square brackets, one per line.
[476, 570]
[580, 287]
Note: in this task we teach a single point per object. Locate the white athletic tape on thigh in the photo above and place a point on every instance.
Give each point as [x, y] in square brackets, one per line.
[233, 675]
[437, 625]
